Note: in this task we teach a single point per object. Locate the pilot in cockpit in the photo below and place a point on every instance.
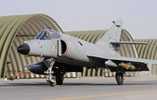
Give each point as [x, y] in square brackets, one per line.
[48, 34]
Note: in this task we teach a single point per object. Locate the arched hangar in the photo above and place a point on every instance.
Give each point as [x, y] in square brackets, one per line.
[15, 29]
[148, 52]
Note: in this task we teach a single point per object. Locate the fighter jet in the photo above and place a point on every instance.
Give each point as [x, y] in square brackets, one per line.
[63, 53]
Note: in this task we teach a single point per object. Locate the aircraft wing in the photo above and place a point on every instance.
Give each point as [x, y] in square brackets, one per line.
[123, 59]
[128, 59]
[139, 64]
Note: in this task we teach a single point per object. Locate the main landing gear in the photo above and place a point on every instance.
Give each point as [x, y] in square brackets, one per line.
[119, 78]
[60, 76]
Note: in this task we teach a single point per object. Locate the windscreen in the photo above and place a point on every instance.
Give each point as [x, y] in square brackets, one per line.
[44, 35]
[48, 34]
[39, 35]
[55, 34]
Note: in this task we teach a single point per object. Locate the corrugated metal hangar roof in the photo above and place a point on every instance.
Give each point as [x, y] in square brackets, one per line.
[148, 52]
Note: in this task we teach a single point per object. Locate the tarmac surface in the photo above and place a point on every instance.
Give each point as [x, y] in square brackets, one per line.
[91, 88]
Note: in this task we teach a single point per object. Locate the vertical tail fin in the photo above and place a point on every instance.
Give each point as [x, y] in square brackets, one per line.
[112, 35]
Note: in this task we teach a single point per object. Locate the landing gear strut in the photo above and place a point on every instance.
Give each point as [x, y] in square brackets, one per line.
[119, 78]
[51, 79]
[55, 74]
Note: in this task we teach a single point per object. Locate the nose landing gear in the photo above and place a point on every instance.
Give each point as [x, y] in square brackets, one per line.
[51, 79]
[55, 74]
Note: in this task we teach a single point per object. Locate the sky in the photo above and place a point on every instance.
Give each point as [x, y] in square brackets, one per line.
[139, 16]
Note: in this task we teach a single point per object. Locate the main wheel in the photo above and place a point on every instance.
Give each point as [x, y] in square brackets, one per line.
[119, 78]
[59, 78]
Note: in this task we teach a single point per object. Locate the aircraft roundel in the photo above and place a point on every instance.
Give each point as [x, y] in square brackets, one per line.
[53, 47]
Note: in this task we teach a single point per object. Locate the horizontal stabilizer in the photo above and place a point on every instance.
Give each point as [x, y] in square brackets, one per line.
[127, 42]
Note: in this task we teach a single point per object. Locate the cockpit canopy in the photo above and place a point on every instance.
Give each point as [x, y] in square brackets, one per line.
[48, 34]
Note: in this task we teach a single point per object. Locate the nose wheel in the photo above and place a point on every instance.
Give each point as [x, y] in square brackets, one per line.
[51, 82]
[119, 78]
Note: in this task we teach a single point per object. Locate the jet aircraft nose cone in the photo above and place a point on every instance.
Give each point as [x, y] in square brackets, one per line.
[23, 49]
